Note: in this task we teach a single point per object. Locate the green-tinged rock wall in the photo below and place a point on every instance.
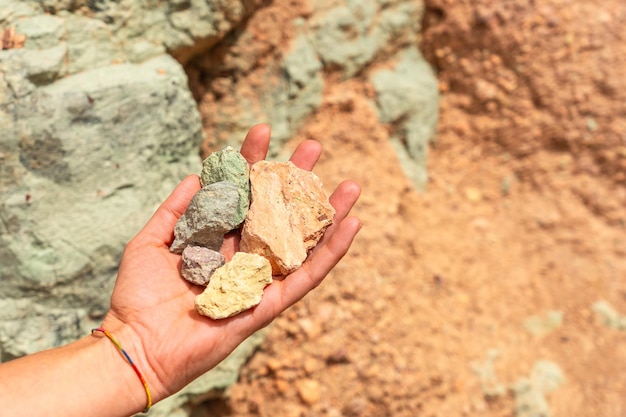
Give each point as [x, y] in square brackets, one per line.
[374, 42]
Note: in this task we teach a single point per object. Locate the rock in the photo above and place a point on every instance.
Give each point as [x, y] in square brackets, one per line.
[530, 393]
[308, 390]
[229, 165]
[289, 213]
[235, 287]
[199, 263]
[611, 317]
[541, 325]
[184, 28]
[209, 216]
[407, 96]
[491, 386]
[334, 31]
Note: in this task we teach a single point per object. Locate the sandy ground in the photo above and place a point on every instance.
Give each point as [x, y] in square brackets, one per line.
[524, 218]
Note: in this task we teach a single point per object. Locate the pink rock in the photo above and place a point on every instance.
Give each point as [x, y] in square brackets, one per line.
[288, 215]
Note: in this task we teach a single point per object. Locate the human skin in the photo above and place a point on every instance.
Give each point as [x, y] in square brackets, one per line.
[152, 315]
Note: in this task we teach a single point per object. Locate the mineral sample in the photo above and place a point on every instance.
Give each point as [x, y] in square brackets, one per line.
[209, 216]
[229, 165]
[199, 264]
[289, 213]
[235, 287]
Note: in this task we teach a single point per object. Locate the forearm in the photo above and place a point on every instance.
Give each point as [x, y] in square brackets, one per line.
[87, 377]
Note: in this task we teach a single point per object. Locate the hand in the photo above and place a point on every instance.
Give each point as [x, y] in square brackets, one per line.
[152, 307]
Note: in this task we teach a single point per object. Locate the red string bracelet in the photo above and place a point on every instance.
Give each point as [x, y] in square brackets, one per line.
[130, 361]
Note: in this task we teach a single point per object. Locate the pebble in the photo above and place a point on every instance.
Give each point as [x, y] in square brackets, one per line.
[229, 165]
[209, 216]
[308, 390]
[199, 263]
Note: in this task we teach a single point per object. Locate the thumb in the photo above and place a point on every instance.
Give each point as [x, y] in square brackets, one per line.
[160, 228]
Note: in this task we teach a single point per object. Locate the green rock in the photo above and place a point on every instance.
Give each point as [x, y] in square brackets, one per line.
[490, 385]
[542, 325]
[407, 97]
[610, 316]
[229, 165]
[43, 31]
[530, 392]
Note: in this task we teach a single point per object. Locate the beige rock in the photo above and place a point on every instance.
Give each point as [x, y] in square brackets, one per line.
[288, 215]
[235, 287]
[309, 391]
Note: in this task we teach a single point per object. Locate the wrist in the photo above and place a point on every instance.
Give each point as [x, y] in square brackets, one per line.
[125, 360]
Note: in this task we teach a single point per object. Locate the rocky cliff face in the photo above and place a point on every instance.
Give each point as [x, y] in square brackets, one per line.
[279, 66]
[98, 124]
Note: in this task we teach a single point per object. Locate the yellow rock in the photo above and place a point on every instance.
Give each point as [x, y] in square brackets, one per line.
[235, 287]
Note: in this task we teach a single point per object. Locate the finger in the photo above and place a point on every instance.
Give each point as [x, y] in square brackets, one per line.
[344, 197]
[333, 246]
[319, 264]
[307, 154]
[255, 145]
[160, 227]
[231, 244]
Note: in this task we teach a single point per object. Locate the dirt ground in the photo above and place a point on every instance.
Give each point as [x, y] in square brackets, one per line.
[524, 214]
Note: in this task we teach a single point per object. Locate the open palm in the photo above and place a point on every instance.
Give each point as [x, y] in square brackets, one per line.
[152, 307]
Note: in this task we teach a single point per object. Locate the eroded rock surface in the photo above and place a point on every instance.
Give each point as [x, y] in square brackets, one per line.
[229, 165]
[198, 264]
[289, 213]
[209, 216]
[235, 287]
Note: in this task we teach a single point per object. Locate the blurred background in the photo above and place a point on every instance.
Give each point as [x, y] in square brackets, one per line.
[489, 138]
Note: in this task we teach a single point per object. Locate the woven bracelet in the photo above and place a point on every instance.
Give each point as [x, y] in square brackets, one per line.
[130, 361]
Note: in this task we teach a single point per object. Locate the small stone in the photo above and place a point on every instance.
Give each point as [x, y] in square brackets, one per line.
[229, 165]
[308, 390]
[282, 386]
[199, 264]
[209, 216]
[288, 216]
[541, 325]
[611, 317]
[235, 287]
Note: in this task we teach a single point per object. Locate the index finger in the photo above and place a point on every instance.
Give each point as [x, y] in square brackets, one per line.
[255, 145]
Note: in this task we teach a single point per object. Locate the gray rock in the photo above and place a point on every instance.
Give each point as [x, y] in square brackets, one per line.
[199, 263]
[229, 165]
[209, 216]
